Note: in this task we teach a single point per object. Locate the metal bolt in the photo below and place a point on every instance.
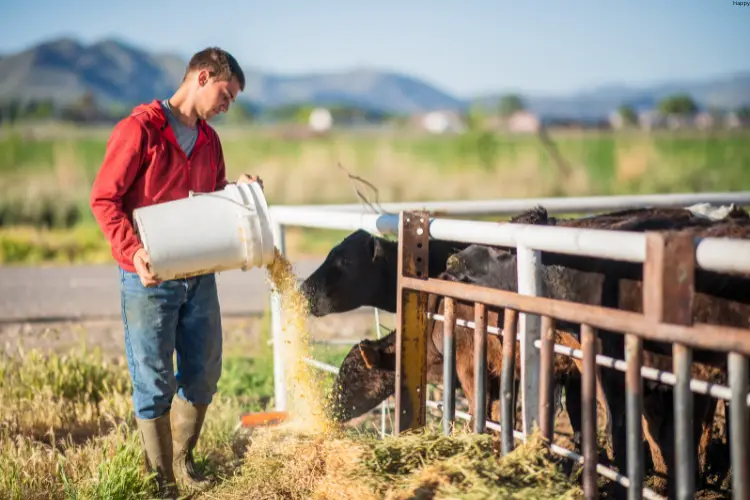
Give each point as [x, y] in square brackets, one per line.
[420, 231]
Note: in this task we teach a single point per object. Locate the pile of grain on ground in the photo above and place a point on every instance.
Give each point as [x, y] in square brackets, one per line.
[281, 463]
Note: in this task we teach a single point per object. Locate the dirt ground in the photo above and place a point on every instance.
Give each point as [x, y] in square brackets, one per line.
[107, 334]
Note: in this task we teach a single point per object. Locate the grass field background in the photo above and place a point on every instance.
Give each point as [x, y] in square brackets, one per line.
[46, 173]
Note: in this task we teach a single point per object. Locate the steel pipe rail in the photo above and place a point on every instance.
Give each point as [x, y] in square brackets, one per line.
[713, 254]
[696, 385]
[553, 205]
[722, 338]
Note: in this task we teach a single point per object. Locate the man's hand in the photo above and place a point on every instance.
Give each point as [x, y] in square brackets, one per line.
[247, 179]
[142, 263]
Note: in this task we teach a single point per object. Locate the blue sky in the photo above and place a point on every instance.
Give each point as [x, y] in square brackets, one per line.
[466, 47]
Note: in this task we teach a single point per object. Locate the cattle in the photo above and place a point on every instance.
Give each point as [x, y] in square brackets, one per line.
[367, 374]
[362, 271]
[720, 299]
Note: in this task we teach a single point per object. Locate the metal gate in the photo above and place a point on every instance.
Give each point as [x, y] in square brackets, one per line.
[669, 267]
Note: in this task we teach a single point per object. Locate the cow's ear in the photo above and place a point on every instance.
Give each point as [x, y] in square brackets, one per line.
[370, 356]
[378, 250]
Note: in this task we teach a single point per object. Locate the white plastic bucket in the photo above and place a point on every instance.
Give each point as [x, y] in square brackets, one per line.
[207, 232]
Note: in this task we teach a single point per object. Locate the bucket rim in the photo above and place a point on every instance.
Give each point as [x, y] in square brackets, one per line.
[253, 190]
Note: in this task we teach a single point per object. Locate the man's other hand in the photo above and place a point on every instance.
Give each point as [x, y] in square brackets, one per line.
[247, 179]
[142, 263]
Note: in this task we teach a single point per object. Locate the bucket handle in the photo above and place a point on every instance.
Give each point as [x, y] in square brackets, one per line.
[251, 210]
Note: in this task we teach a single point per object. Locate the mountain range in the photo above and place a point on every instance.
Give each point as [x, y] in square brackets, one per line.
[119, 73]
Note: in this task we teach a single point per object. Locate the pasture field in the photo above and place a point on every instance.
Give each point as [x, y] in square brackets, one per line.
[66, 431]
[46, 174]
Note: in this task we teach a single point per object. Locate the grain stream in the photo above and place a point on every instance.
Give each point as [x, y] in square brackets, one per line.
[304, 388]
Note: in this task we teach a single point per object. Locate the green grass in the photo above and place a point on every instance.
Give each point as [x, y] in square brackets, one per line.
[45, 178]
[83, 244]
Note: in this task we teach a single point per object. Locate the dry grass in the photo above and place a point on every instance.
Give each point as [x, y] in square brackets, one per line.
[280, 464]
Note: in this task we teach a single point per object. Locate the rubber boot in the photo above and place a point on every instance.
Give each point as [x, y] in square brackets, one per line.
[156, 439]
[187, 420]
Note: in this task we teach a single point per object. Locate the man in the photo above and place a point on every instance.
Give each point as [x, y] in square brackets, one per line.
[161, 152]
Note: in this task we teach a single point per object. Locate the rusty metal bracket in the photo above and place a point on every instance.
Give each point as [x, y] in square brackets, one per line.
[411, 321]
[668, 291]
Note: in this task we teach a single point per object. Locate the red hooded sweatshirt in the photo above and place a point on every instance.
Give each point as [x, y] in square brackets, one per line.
[143, 165]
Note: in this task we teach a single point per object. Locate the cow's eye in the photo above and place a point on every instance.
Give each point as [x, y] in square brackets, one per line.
[342, 262]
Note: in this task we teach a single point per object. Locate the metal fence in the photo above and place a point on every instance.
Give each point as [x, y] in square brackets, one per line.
[535, 315]
[668, 288]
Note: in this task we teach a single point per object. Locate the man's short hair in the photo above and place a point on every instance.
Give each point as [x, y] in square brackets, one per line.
[220, 64]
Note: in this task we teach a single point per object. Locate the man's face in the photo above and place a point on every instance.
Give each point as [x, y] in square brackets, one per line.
[214, 96]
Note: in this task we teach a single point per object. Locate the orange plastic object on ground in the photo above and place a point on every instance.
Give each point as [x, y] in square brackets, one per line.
[266, 418]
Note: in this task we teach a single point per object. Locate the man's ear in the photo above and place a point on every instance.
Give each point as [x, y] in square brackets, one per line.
[370, 356]
[203, 77]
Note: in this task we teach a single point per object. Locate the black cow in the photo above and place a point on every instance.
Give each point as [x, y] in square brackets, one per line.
[362, 271]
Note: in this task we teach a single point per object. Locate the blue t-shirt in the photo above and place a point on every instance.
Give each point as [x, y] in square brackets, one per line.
[186, 136]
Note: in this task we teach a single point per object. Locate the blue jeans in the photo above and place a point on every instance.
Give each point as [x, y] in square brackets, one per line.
[179, 315]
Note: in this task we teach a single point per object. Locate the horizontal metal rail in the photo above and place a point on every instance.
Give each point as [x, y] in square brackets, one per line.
[701, 336]
[713, 254]
[696, 385]
[581, 204]
[320, 365]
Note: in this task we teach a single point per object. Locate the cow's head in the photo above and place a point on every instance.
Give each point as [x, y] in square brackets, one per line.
[367, 377]
[359, 271]
[484, 266]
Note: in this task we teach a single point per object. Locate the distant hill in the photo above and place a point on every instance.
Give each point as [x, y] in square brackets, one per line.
[63, 70]
[120, 74]
[730, 92]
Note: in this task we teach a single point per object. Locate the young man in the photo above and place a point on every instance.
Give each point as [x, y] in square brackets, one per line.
[163, 150]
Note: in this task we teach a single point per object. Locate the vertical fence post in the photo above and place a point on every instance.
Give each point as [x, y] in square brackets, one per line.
[507, 380]
[668, 288]
[529, 283]
[279, 373]
[384, 404]
[411, 337]
[739, 425]
[633, 414]
[480, 367]
[546, 377]
[449, 366]
[588, 415]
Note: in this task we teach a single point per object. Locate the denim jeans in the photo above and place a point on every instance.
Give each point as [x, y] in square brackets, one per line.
[179, 315]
